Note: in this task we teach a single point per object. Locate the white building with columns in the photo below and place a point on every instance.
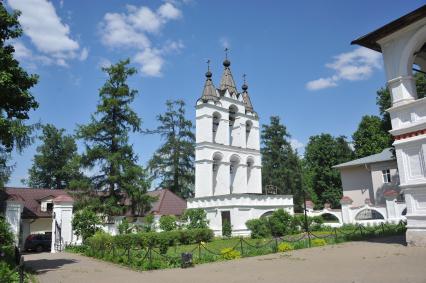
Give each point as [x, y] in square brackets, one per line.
[403, 45]
[228, 177]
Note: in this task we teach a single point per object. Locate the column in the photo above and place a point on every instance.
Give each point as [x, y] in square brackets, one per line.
[13, 217]
[62, 233]
[391, 209]
[346, 203]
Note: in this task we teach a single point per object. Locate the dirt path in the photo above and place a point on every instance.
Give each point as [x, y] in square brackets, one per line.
[353, 262]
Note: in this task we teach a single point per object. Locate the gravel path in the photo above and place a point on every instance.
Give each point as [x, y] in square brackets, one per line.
[354, 262]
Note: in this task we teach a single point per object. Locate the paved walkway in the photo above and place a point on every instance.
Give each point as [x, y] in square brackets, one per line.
[355, 262]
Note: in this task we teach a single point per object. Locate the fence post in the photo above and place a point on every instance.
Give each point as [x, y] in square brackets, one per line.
[335, 234]
[199, 250]
[276, 244]
[21, 270]
[241, 246]
[128, 256]
[360, 230]
[150, 256]
[309, 239]
[383, 228]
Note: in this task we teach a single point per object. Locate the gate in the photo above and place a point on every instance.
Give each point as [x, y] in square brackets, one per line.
[58, 237]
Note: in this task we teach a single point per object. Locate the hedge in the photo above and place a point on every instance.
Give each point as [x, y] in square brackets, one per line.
[142, 240]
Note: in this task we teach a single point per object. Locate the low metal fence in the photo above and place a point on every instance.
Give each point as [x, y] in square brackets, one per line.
[148, 258]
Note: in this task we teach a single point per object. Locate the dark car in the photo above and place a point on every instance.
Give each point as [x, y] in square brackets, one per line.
[38, 242]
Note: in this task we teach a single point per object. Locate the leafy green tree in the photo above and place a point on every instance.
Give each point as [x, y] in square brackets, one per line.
[56, 162]
[168, 222]
[370, 137]
[16, 100]
[281, 165]
[321, 154]
[173, 162]
[195, 218]
[107, 143]
[85, 223]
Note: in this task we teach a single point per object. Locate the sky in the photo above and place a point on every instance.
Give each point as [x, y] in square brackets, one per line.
[296, 54]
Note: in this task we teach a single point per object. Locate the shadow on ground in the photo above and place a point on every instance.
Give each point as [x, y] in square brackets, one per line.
[388, 240]
[44, 265]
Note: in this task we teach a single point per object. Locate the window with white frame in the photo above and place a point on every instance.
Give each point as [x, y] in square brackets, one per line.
[386, 176]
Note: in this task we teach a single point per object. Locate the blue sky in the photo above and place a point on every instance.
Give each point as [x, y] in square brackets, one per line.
[296, 54]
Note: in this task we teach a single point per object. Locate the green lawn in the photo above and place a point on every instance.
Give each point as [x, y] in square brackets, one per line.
[225, 249]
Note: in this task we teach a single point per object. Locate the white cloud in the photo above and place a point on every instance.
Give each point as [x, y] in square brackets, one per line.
[151, 62]
[296, 145]
[116, 32]
[21, 51]
[133, 30]
[321, 83]
[84, 54]
[47, 32]
[169, 12]
[356, 65]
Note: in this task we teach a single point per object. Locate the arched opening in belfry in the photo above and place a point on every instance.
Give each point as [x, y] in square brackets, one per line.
[250, 163]
[215, 121]
[249, 126]
[233, 168]
[217, 159]
[232, 115]
[419, 70]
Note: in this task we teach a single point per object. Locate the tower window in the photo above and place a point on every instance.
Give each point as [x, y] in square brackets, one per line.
[216, 121]
[232, 114]
[248, 130]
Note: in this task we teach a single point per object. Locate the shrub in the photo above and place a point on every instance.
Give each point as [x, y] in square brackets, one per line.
[318, 242]
[230, 253]
[168, 223]
[6, 236]
[7, 274]
[7, 243]
[148, 221]
[226, 229]
[162, 240]
[281, 223]
[284, 247]
[85, 223]
[195, 218]
[314, 223]
[259, 228]
[124, 227]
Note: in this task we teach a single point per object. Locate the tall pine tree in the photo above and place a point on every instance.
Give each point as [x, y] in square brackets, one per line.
[56, 162]
[107, 144]
[16, 100]
[280, 163]
[173, 162]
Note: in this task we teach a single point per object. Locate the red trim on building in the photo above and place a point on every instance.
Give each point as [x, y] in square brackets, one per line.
[410, 135]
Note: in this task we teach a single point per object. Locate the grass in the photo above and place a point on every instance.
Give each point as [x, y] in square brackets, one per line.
[145, 259]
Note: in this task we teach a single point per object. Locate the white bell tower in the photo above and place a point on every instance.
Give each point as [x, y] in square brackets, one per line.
[227, 154]
[228, 178]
